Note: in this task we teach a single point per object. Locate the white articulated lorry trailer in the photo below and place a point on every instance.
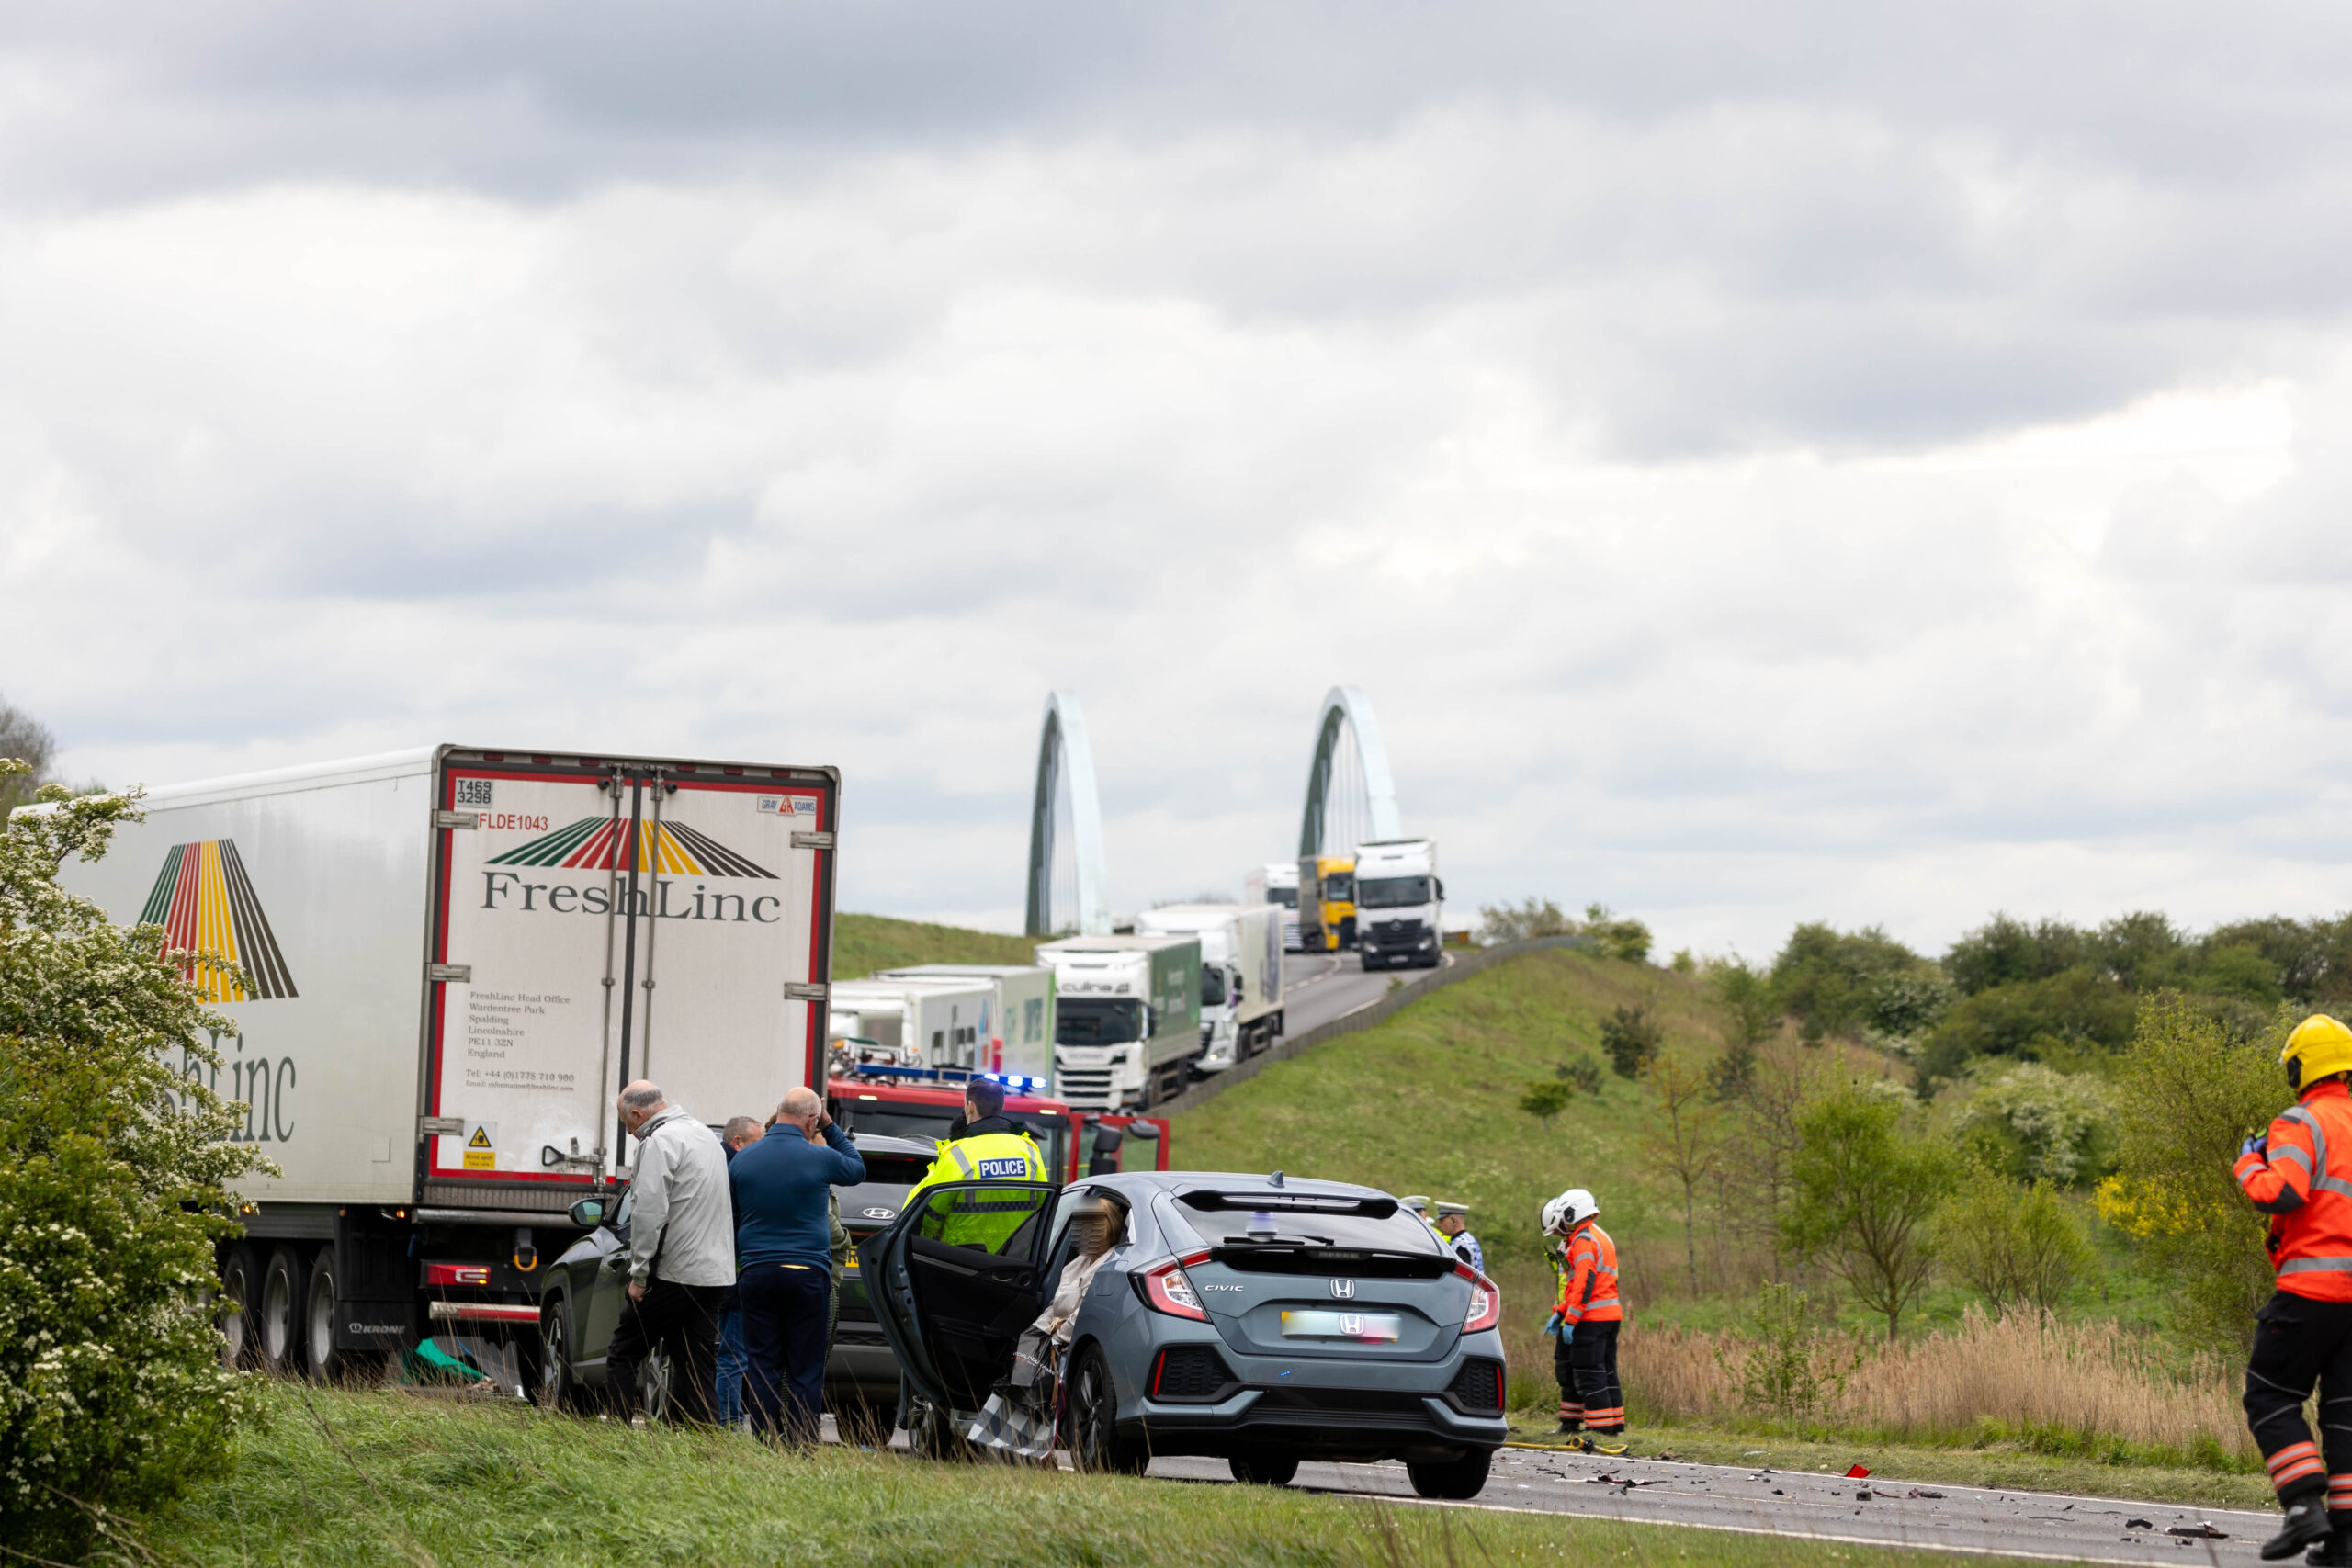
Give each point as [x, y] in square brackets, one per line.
[1128, 1017]
[923, 1025]
[1019, 1039]
[1242, 974]
[1399, 903]
[455, 958]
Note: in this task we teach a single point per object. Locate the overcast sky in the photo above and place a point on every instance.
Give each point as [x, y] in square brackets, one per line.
[1870, 463]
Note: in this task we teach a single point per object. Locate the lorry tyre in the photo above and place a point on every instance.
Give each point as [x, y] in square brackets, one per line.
[1094, 1440]
[279, 1325]
[1264, 1470]
[240, 1289]
[1457, 1480]
[557, 1388]
[319, 1354]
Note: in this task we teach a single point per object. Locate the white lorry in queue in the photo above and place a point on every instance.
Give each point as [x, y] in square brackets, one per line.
[1276, 883]
[1128, 1017]
[1241, 974]
[454, 957]
[917, 1023]
[1399, 900]
[1019, 1040]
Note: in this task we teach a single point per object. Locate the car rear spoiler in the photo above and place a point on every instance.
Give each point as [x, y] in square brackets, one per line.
[1209, 1201]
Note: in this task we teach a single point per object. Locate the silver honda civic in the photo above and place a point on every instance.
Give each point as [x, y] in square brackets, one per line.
[1260, 1319]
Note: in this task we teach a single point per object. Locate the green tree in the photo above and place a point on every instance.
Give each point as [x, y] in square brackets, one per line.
[1754, 1014]
[1631, 1039]
[1868, 1181]
[114, 1177]
[2004, 951]
[1546, 1100]
[2015, 1246]
[1529, 918]
[2032, 1123]
[2076, 1013]
[2190, 1091]
[25, 739]
[1616, 936]
[1826, 977]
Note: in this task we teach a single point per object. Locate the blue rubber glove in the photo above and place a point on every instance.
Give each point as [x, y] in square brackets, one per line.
[2259, 1143]
[1551, 1324]
[1567, 1332]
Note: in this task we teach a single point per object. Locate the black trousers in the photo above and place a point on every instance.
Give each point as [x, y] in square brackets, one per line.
[784, 1329]
[2299, 1343]
[684, 1321]
[1587, 1369]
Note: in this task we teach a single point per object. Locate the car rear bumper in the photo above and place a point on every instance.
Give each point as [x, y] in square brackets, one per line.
[1403, 1426]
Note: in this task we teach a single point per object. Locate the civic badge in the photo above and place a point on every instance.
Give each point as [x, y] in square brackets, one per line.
[1343, 1289]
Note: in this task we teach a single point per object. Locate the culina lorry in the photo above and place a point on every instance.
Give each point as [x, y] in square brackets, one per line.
[455, 957]
[1126, 1017]
[1241, 974]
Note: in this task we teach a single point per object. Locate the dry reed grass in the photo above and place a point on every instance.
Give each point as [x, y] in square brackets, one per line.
[2023, 1375]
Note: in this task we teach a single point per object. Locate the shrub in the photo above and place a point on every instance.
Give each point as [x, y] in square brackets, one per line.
[1546, 1100]
[1789, 1369]
[1631, 1038]
[2015, 1246]
[1529, 918]
[2075, 1013]
[114, 1173]
[2191, 1092]
[1584, 1072]
[1613, 936]
[2036, 1124]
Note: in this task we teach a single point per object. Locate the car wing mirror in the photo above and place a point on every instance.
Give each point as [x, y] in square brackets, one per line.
[590, 1212]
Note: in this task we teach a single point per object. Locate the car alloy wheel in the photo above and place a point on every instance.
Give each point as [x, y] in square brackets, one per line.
[556, 1389]
[1095, 1443]
[653, 1384]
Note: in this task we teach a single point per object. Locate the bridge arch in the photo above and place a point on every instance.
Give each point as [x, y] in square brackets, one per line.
[1066, 761]
[1348, 749]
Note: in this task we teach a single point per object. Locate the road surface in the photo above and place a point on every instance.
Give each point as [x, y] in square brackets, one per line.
[1319, 986]
[1895, 1513]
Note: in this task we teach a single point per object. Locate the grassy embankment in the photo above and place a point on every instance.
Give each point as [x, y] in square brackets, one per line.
[862, 944]
[347, 1480]
[1426, 1103]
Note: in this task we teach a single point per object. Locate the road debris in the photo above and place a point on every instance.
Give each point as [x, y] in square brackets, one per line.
[2200, 1531]
[1858, 1472]
[2139, 1524]
[1627, 1481]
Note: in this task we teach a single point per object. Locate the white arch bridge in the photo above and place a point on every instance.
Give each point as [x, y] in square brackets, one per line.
[1351, 800]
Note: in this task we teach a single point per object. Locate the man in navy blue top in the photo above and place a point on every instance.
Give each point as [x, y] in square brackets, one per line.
[783, 1250]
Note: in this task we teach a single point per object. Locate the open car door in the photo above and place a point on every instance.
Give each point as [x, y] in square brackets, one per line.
[954, 1283]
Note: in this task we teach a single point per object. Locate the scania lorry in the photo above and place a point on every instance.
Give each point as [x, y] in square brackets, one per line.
[1276, 883]
[1128, 1017]
[454, 957]
[1241, 974]
[1399, 901]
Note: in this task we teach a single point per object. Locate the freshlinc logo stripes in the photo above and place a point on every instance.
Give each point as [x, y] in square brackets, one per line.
[596, 843]
[205, 902]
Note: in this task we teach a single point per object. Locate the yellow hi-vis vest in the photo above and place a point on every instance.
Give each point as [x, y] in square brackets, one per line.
[975, 1220]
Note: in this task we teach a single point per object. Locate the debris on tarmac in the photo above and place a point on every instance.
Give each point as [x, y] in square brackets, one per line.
[1858, 1472]
[2139, 1524]
[2200, 1531]
[1628, 1483]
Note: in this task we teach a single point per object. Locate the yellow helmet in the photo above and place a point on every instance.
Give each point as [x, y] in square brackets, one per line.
[2320, 1047]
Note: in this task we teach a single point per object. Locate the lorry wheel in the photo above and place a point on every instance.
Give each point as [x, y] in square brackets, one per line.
[556, 1389]
[1094, 1440]
[1264, 1470]
[240, 1289]
[325, 1363]
[278, 1327]
[1458, 1480]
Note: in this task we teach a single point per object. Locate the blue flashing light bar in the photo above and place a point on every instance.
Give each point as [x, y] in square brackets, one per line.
[1013, 1082]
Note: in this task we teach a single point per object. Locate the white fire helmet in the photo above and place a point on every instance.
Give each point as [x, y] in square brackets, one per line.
[1570, 1210]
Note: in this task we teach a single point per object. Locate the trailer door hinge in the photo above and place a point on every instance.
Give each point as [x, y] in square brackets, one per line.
[812, 840]
[805, 990]
[453, 973]
[441, 1127]
[456, 820]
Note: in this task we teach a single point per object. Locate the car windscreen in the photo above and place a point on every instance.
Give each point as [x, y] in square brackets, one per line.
[893, 1170]
[1238, 1226]
[890, 1118]
[1391, 892]
[1212, 986]
[1097, 1021]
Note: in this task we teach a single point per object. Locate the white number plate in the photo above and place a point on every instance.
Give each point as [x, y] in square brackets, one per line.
[1372, 1327]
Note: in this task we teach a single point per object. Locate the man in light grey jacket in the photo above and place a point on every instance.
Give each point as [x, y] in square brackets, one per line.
[680, 1255]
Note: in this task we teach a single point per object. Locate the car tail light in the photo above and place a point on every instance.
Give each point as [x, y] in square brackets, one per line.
[1165, 1288]
[1486, 1299]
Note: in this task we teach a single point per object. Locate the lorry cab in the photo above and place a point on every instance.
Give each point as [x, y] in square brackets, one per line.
[1326, 903]
[1276, 883]
[1399, 900]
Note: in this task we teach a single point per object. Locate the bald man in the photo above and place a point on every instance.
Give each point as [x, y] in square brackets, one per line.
[784, 1246]
[680, 1255]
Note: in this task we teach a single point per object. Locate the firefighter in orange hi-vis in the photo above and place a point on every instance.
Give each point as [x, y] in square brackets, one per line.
[1585, 1322]
[2300, 1173]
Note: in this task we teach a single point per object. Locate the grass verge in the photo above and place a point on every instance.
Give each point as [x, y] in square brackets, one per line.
[345, 1480]
[862, 944]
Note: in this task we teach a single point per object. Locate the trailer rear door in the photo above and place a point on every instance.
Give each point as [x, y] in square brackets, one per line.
[599, 920]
